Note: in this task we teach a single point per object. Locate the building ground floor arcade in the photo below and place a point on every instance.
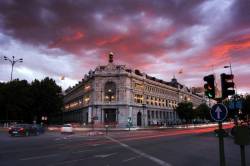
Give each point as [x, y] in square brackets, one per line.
[118, 116]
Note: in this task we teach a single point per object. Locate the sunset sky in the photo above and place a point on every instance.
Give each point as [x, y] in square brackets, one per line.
[162, 37]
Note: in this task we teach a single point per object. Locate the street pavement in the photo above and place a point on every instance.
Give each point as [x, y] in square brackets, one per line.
[170, 147]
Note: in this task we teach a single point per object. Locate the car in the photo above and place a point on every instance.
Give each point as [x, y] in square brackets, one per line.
[22, 130]
[67, 129]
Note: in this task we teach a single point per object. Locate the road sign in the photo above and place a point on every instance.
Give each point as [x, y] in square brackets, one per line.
[218, 112]
[235, 105]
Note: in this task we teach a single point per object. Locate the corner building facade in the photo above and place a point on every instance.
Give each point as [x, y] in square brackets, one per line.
[113, 94]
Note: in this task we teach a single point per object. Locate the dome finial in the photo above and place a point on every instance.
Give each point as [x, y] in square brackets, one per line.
[111, 55]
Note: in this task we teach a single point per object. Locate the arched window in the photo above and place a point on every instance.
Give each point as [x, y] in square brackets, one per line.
[110, 91]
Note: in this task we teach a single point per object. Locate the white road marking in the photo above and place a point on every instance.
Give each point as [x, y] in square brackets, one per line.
[152, 158]
[39, 157]
[104, 155]
[131, 158]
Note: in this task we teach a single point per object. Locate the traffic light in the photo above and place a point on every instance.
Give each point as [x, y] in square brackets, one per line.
[227, 85]
[209, 86]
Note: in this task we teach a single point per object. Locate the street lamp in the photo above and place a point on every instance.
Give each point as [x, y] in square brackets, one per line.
[230, 68]
[13, 61]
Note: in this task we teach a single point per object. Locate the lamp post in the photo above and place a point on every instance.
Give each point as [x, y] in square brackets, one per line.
[13, 61]
[229, 67]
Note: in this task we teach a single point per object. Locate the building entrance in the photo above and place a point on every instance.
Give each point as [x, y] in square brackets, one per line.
[139, 119]
[109, 116]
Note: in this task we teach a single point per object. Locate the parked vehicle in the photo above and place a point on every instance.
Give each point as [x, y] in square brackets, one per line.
[67, 129]
[22, 130]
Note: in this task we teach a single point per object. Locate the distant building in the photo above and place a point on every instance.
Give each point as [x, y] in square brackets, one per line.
[112, 94]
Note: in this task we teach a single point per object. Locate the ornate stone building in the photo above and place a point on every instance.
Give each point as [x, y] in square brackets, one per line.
[112, 94]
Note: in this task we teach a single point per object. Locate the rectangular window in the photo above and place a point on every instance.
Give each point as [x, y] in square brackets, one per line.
[138, 98]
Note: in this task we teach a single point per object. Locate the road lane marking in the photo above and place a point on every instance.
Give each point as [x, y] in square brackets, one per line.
[131, 158]
[152, 158]
[104, 155]
[38, 157]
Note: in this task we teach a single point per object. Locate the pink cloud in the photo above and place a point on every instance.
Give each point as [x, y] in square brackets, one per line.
[67, 39]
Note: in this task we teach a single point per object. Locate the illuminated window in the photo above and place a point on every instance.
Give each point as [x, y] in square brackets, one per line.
[138, 98]
[138, 86]
[110, 91]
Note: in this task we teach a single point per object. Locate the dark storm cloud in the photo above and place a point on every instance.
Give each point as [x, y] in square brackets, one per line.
[53, 23]
[241, 14]
[236, 26]
[192, 35]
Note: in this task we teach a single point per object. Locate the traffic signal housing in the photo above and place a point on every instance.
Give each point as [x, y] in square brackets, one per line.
[227, 85]
[209, 86]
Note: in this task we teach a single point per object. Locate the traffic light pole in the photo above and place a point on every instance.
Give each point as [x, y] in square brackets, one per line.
[242, 153]
[221, 145]
[234, 100]
[235, 113]
[221, 140]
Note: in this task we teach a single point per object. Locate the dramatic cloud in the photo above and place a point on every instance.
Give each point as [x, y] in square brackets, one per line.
[159, 37]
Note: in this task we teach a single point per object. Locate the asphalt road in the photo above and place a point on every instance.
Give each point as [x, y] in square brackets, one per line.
[173, 147]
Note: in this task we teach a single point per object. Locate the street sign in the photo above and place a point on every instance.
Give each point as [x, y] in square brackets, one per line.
[218, 112]
[235, 105]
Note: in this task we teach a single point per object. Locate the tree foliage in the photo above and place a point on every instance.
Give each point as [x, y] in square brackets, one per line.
[246, 105]
[243, 112]
[21, 101]
[185, 111]
[203, 112]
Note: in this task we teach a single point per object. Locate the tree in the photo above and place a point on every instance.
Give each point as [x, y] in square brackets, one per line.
[246, 106]
[3, 112]
[47, 97]
[242, 107]
[185, 111]
[21, 101]
[203, 112]
[16, 100]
